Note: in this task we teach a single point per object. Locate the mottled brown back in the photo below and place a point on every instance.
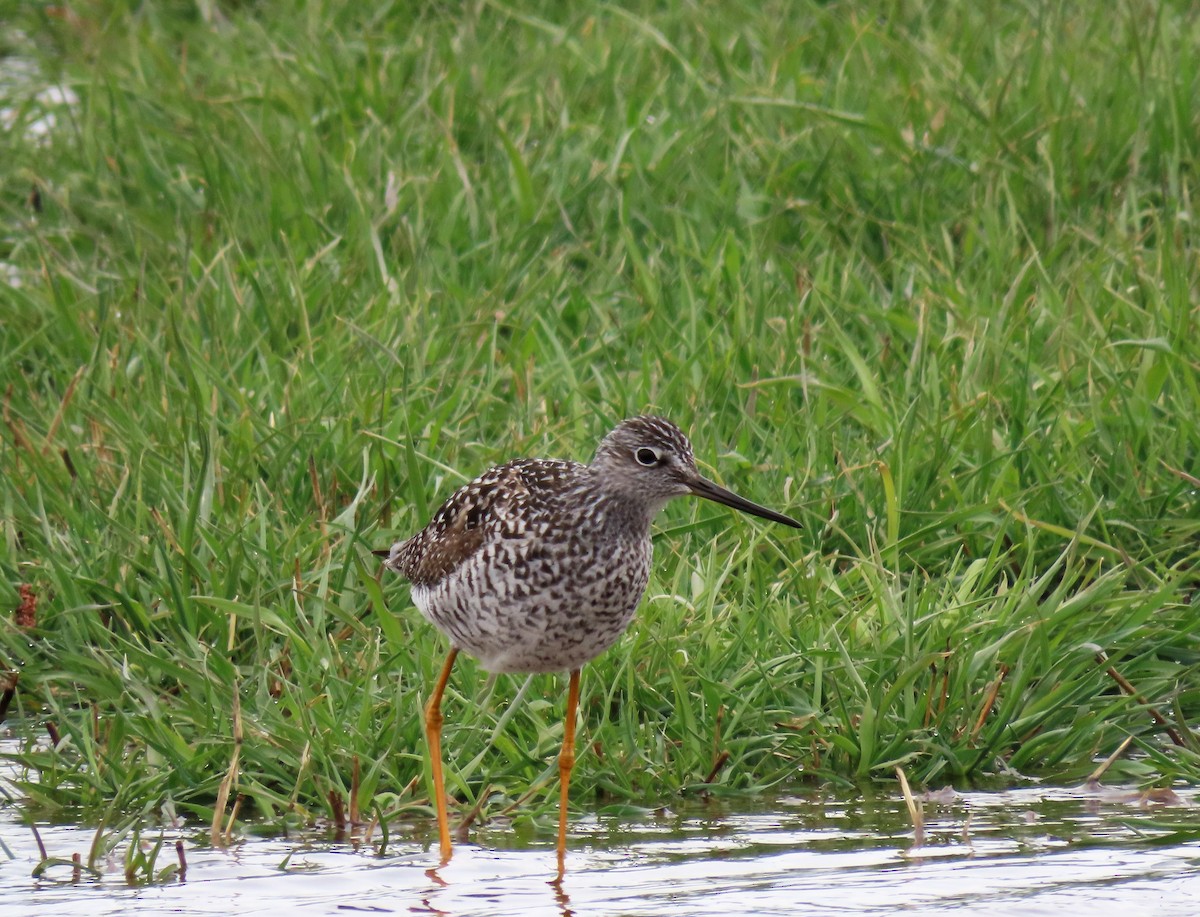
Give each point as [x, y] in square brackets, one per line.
[473, 514]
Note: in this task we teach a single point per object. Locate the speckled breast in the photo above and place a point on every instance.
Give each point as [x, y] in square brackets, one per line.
[540, 604]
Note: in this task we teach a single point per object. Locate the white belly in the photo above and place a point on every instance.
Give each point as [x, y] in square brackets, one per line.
[518, 608]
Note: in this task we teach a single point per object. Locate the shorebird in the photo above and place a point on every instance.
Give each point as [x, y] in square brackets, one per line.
[538, 566]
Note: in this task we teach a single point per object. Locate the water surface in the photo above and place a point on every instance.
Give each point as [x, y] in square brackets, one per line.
[1030, 850]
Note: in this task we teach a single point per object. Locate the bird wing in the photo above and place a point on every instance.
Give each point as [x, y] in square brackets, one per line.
[494, 505]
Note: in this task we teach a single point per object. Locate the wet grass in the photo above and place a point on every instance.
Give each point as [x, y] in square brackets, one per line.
[924, 278]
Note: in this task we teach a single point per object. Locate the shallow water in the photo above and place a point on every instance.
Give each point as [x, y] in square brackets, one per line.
[1032, 850]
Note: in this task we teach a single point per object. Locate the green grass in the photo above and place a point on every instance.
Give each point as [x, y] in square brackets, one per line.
[923, 275]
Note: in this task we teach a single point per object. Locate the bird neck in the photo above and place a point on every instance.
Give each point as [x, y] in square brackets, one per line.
[621, 507]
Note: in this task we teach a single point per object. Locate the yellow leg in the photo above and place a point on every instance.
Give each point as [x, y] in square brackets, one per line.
[566, 761]
[433, 735]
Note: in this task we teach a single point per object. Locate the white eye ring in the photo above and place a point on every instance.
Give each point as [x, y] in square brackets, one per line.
[647, 456]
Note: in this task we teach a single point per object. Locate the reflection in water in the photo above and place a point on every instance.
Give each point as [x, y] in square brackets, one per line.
[1031, 850]
[562, 898]
[441, 898]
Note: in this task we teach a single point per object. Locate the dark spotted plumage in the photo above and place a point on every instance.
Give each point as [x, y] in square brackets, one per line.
[538, 565]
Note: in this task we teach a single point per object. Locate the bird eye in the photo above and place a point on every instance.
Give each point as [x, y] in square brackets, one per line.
[646, 456]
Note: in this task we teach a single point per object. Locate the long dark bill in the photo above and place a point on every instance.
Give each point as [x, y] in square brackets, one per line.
[702, 487]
